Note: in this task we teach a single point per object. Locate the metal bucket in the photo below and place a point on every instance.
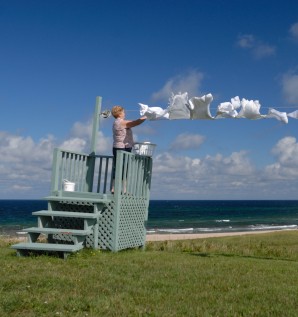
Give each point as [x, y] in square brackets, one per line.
[68, 186]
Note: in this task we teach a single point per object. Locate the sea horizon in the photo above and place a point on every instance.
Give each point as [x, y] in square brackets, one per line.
[178, 216]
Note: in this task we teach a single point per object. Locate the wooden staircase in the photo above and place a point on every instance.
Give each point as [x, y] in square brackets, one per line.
[48, 225]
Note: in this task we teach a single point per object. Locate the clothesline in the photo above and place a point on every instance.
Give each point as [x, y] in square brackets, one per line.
[196, 108]
[214, 107]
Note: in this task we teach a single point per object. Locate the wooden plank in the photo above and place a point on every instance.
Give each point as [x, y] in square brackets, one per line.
[57, 213]
[81, 197]
[48, 247]
[58, 230]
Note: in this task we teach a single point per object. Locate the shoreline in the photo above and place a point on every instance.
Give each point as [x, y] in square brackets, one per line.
[18, 236]
[190, 236]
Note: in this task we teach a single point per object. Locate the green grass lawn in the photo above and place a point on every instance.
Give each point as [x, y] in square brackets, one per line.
[253, 275]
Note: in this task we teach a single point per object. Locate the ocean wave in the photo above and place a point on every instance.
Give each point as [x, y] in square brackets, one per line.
[223, 220]
[260, 227]
[272, 227]
[209, 230]
[174, 230]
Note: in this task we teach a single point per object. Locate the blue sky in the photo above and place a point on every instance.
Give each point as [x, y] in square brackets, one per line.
[57, 56]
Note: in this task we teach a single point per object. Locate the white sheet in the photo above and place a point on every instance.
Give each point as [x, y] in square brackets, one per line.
[153, 113]
[293, 114]
[228, 109]
[250, 109]
[200, 107]
[281, 116]
[196, 108]
[179, 107]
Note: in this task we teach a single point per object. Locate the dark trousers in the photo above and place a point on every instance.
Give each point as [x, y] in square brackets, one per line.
[115, 149]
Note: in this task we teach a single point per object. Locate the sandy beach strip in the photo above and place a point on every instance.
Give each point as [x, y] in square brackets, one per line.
[189, 236]
[171, 236]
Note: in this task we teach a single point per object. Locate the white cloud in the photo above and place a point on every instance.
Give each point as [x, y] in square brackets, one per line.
[25, 164]
[294, 31]
[82, 130]
[81, 139]
[185, 141]
[286, 166]
[190, 82]
[15, 148]
[256, 47]
[181, 177]
[290, 87]
[263, 50]
[246, 41]
[227, 177]
[74, 144]
[25, 169]
[21, 188]
[286, 151]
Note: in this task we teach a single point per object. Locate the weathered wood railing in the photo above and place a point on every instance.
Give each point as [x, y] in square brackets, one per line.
[93, 173]
[133, 174]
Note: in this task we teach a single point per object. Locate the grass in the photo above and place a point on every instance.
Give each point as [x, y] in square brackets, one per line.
[253, 275]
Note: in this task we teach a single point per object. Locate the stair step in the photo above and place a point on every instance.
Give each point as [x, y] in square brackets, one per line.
[81, 197]
[57, 213]
[48, 247]
[74, 232]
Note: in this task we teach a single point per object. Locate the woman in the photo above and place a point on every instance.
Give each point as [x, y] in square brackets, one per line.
[122, 134]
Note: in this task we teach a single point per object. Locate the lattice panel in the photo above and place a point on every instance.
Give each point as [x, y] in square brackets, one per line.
[131, 223]
[131, 230]
[105, 229]
[69, 223]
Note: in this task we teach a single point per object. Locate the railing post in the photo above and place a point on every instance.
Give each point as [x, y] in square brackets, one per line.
[117, 197]
[55, 170]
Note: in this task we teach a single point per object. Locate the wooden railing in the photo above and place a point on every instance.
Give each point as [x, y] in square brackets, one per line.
[93, 173]
[133, 174]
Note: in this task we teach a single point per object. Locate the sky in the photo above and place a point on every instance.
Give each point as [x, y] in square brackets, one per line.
[57, 56]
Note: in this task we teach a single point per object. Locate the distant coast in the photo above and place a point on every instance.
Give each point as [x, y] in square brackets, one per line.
[21, 236]
[189, 236]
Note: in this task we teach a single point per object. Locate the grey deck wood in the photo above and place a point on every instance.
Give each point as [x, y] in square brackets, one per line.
[80, 197]
[58, 230]
[48, 247]
[57, 213]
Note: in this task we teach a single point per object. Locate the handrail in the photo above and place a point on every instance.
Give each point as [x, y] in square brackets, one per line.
[133, 174]
[93, 173]
[90, 173]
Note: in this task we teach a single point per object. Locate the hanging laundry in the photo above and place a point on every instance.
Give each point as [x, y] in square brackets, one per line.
[250, 109]
[200, 107]
[293, 114]
[153, 113]
[228, 109]
[179, 107]
[281, 116]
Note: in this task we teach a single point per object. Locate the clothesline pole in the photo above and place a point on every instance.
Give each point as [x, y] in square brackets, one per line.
[95, 125]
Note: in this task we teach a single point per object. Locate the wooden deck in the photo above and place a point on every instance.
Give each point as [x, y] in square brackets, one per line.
[90, 216]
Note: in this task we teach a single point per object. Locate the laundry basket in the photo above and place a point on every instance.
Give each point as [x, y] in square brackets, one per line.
[145, 148]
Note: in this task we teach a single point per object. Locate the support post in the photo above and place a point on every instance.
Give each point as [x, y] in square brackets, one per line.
[95, 125]
[91, 158]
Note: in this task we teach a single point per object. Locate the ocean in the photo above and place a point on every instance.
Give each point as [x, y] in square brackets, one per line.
[179, 216]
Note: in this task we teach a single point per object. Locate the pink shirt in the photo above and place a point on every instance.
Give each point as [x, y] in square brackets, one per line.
[122, 137]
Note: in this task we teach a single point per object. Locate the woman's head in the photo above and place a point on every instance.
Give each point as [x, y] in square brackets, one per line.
[117, 111]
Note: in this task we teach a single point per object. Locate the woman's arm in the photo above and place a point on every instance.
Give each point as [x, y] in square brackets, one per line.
[133, 123]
